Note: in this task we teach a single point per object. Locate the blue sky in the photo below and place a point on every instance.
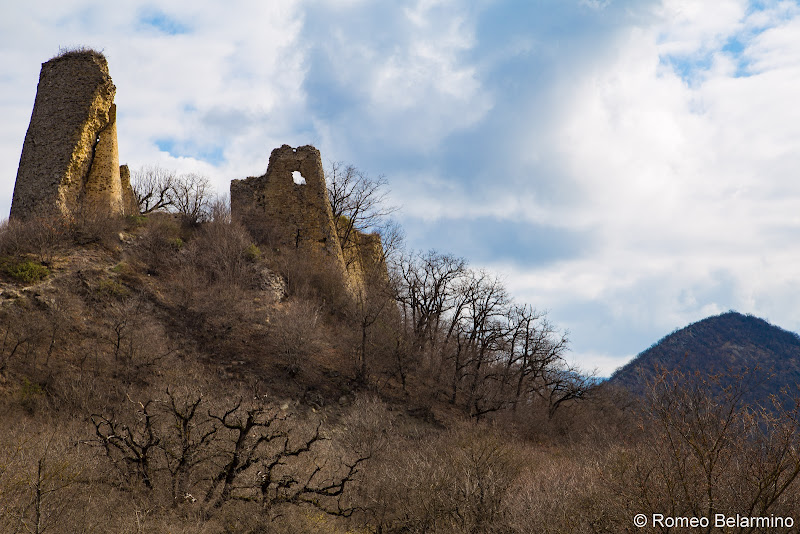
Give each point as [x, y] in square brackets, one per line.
[629, 166]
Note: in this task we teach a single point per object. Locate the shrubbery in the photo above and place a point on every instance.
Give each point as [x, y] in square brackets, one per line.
[155, 385]
[27, 272]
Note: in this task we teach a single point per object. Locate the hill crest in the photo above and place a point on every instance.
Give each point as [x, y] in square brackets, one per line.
[729, 343]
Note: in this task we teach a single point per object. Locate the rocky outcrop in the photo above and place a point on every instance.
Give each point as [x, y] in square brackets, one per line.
[70, 158]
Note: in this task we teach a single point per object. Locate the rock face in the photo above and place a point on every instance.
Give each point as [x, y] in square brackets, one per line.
[290, 215]
[70, 159]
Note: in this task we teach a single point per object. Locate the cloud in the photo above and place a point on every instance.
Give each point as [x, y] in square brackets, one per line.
[412, 75]
[687, 184]
[628, 165]
[595, 4]
[161, 22]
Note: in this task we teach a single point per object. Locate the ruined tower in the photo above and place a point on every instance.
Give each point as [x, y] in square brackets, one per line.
[288, 208]
[69, 160]
[292, 215]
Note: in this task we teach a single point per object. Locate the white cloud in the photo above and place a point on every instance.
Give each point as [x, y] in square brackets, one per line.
[678, 154]
[692, 187]
[412, 77]
[692, 27]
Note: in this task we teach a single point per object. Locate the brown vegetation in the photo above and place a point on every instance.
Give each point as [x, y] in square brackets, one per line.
[157, 379]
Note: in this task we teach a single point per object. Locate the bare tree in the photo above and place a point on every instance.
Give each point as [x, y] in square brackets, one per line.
[358, 202]
[484, 331]
[191, 197]
[212, 455]
[392, 240]
[159, 189]
[131, 447]
[373, 304]
[535, 361]
[492, 352]
[561, 383]
[427, 293]
[153, 188]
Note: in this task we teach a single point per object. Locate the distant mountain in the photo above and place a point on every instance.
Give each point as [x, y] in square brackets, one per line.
[723, 344]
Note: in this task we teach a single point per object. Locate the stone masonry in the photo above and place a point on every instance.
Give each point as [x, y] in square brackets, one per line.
[129, 204]
[295, 215]
[289, 215]
[70, 159]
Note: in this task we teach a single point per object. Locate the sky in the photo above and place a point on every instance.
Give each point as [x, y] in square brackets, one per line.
[628, 166]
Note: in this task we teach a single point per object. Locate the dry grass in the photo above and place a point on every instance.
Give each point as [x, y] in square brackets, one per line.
[111, 330]
[78, 51]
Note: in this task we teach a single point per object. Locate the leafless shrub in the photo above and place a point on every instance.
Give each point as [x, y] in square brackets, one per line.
[133, 341]
[42, 237]
[19, 336]
[94, 224]
[559, 490]
[210, 454]
[368, 426]
[158, 246]
[294, 333]
[41, 478]
[219, 209]
[309, 276]
[458, 481]
[705, 451]
[225, 253]
[78, 50]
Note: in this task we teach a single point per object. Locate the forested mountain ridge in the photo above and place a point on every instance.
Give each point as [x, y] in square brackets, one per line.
[729, 343]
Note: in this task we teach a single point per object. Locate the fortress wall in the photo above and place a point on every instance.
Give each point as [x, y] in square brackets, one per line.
[103, 187]
[70, 153]
[364, 259]
[287, 215]
[129, 204]
[293, 215]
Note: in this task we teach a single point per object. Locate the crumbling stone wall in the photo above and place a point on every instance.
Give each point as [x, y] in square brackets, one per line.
[129, 204]
[70, 158]
[288, 215]
[292, 215]
[364, 258]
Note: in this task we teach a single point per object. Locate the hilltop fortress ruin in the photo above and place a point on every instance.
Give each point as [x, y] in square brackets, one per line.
[70, 166]
[288, 206]
[70, 160]
[293, 215]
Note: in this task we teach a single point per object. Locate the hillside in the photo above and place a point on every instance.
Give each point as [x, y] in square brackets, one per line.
[730, 343]
[177, 369]
[164, 375]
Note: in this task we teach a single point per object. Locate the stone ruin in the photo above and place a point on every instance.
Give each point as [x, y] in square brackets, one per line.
[288, 208]
[70, 166]
[70, 160]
